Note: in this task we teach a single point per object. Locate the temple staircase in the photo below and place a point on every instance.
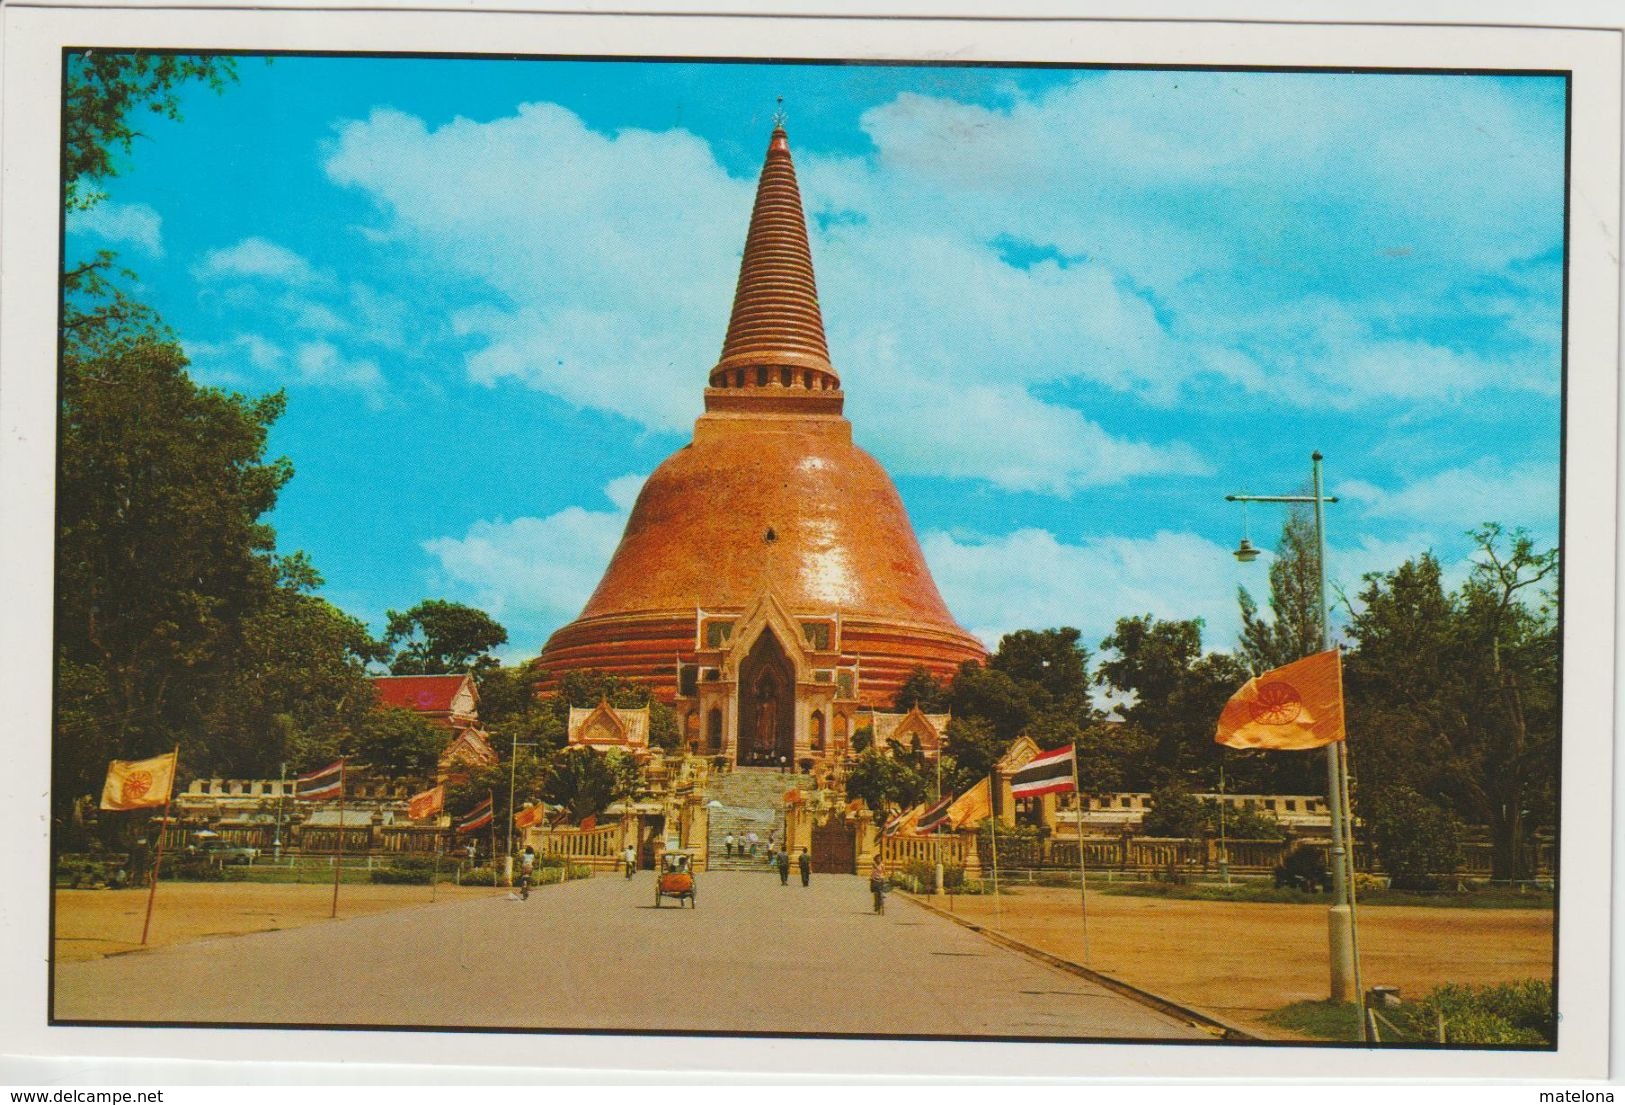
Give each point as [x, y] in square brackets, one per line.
[752, 799]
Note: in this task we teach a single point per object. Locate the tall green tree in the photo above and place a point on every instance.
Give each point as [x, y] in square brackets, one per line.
[399, 743]
[1173, 692]
[1457, 695]
[1293, 630]
[296, 689]
[163, 559]
[437, 637]
[586, 782]
[994, 696]
[105, 96]
[921, 689]
[883, 780]
[1051, 664]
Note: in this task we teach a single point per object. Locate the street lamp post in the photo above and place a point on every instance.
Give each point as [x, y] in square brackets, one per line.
[1341, 932]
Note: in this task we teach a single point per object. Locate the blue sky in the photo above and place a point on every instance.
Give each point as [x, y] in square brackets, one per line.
[1071, 310]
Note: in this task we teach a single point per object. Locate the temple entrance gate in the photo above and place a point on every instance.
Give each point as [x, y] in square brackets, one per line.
[767, 702]
[835, 848]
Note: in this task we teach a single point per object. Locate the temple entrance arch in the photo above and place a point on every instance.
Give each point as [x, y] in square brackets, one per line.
[767, 702]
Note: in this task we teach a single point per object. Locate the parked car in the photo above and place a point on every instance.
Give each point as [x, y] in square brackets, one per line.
[221, 852]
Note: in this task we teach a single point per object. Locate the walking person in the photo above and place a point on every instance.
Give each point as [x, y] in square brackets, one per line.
[630, 858]
[527, 867]
[877, 884]
[783, 864]
[728, 843]
[804, 862]
[752, 839]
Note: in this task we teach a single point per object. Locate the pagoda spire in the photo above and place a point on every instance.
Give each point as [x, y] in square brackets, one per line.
[776, 332]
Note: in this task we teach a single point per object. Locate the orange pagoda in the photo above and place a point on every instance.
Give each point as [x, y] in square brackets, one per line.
[768, 585]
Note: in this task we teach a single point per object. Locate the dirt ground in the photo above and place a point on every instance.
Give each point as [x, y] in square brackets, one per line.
[1240, 960]
[95, 923]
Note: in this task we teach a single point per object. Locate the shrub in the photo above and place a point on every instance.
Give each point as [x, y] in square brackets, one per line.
[404, 869]
[1512, 1013]
[479, 876]
[193, 869]
[1419, 842]
[1175, 812]
[85, 872]
[920, 877]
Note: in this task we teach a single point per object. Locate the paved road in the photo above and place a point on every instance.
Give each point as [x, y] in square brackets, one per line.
[595, 954]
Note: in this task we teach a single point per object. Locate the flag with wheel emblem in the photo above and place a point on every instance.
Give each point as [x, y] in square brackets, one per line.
[477, 818]
[427, 804]
[136, 784]
[528, 816]
[1290, 708]
[325, 782]
[973, 807]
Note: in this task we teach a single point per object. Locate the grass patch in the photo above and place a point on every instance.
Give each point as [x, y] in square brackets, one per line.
[1480, 898]
[1320, 1020]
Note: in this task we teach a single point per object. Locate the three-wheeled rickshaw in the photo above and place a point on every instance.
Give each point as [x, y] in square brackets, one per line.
[676, 879]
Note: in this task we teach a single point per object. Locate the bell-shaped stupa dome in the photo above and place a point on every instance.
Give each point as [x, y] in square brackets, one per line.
[770, 498]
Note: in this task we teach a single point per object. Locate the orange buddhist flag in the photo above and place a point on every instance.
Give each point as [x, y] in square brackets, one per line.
[973, 807]
[1294, 707]
[427, 804]
[135, 784]
[527, 817]
[589, 822]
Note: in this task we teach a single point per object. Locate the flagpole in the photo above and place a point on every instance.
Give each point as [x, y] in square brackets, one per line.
[1342, 865]
[1083, 875]
[1348, 829]
[993, 836]
[1342, 946]
[491, 797]
[338, 849]
[163, 831]
[513, 772]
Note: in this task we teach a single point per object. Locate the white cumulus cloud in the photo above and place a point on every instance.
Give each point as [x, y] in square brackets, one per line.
[255, 258]
[135, 224]
[535, 574]
[1460, 498]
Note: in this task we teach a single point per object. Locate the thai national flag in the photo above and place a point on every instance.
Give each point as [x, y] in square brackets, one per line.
[475, 819]
[327, 782]
[1046, 773]
[934, 817]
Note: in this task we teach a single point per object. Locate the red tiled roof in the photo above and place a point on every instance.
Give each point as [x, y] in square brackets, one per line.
[424, 693]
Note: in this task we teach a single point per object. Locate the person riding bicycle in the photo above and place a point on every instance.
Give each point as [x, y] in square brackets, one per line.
[630, 859]
[877, 884]
[527, 866]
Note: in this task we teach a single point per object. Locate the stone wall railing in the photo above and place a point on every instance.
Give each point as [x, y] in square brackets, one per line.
[897, 850]
[596, 848]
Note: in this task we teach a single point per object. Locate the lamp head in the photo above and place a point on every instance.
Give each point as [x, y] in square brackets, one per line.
[1246, 552]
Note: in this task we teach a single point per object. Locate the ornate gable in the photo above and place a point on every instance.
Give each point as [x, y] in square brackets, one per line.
[904, 729]
[605, 726]
[1017, 756]
[764, 612]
